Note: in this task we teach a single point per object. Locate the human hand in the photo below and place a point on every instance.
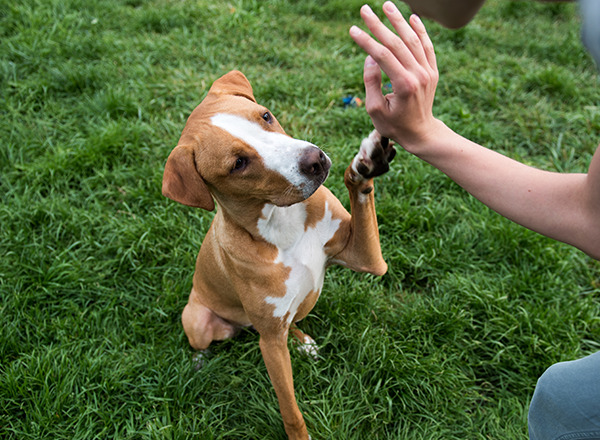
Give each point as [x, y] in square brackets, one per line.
[408, 59]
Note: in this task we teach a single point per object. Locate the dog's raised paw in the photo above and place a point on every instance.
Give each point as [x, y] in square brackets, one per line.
[373, 159]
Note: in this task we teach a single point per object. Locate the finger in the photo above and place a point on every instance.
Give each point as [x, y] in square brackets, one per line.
[421, 32]
[372, 79]
[389, 39]
[405, 31]
[386, 60]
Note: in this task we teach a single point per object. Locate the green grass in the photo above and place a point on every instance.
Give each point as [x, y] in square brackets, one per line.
[96, 265]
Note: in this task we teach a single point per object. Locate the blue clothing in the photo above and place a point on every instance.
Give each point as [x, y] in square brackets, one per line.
[590, 27]
[566, 401]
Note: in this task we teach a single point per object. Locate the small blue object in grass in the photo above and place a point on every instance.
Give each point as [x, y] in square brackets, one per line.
[352, 101]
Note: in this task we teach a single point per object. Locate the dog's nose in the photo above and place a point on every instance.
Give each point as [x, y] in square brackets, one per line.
[314, 163]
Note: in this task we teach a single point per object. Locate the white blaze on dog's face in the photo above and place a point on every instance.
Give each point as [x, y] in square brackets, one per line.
[233, 149]
[257, 151]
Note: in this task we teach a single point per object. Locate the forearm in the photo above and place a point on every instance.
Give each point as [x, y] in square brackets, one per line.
[451, 14]
[558, 205]
[565, 207]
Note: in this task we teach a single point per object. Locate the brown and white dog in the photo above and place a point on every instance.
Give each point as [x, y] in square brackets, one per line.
[276, 229]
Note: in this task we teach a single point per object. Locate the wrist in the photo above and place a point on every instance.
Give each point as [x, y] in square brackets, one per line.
[424, 140]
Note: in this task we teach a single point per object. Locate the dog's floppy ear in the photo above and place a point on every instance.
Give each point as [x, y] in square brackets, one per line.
[183, 183]
[233, 83]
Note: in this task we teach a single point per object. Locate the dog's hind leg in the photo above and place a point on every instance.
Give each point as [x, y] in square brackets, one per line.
[202, 325]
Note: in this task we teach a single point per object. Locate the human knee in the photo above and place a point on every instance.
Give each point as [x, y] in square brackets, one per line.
[546, 406]
[565, 401]
[549, 386]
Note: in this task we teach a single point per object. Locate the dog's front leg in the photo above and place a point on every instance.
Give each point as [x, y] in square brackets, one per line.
[277, 360]
[363, 251]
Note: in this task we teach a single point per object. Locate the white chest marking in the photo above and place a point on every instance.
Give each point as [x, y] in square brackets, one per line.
[279, 152]
[299, 249]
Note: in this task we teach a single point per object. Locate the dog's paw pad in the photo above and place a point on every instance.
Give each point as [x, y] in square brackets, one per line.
[373, 159]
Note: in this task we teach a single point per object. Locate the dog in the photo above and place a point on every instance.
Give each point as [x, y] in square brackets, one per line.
[276, 229]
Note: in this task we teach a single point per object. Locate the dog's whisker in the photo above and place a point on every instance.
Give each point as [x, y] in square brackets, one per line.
[288, 191]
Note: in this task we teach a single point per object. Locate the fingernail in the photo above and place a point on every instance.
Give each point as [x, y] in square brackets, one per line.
[390, 8]
[369, 62]
[366, 9]
[417, 19]
[355, 31]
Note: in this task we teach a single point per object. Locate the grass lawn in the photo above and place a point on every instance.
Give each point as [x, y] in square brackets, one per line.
[96, 265]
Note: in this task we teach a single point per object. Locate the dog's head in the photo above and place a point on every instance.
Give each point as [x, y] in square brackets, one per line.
[232, 148]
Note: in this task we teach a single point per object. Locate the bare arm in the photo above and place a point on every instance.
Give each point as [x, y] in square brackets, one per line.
[449, 13]
[452, 14]
[564, 206]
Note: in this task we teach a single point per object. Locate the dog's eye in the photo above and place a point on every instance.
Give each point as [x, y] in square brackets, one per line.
[240, 164]
[267, 117]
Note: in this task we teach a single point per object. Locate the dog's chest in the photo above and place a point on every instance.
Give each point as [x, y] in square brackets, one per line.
[301, 249]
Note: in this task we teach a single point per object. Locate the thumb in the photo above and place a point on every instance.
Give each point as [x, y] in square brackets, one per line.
[372, 79]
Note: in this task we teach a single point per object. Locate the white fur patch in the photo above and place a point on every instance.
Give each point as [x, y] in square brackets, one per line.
[367, 146]
[299, 249]
[279, 152]
[363, 198]
[309, 347]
